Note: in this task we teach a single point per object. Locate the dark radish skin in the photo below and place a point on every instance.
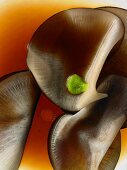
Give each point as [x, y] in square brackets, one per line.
[19, 94]
[90, 139]
[68, 44]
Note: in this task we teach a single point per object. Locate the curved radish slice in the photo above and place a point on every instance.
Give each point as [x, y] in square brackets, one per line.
[117, 63]
[84, 140]
[18, 98]
[73, 42]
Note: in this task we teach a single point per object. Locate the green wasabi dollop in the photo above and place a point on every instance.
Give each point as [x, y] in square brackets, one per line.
[76, 85]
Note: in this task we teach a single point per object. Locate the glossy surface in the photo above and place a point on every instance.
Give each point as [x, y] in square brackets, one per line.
[80, 45]
[81, 141]
[117, 62]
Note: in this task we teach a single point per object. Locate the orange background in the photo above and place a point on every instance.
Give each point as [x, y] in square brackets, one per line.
[18, 21]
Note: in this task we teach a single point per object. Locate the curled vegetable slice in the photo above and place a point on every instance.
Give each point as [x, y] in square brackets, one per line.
[75, 41]
[85, 140]
[18, 98]
[117, 62]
